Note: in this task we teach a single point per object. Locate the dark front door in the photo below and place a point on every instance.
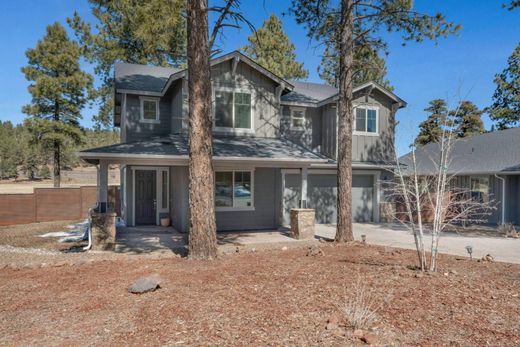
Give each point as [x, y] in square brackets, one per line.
[145, 197]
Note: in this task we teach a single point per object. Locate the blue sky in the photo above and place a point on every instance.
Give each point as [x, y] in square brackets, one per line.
[460, 66]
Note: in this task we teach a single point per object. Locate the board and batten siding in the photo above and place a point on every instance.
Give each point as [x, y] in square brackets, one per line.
[136, 129]
[264, 104]
[310, 135]
[365, 148]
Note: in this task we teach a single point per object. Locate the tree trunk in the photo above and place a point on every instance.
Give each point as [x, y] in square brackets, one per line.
[346, 63]
[56, 150]
[202, 233]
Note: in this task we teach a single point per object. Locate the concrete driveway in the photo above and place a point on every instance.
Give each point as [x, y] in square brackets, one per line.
[502, 249]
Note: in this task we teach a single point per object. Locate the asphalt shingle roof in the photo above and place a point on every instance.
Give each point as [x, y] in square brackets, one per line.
[142, 77]
[309, 92]
[493, 152]
[223, 147]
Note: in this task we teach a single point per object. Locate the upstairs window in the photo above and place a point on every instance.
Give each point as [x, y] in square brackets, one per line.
[297, 118]
[233, 190]
[149, 110]
[366, 120]
[232, 110]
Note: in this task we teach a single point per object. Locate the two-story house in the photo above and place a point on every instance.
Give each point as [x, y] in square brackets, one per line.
[275, 144]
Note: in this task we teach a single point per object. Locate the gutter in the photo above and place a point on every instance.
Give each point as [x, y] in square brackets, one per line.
[503, 198]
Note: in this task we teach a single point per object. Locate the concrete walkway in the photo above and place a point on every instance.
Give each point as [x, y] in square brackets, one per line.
[501, 248]
[154, 238]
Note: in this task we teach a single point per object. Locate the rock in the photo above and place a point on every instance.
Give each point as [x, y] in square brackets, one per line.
[369, 338]
[488, 258]
[453, 272]
[145, 284]
[284, 248]
[419, 274]
[314, 251]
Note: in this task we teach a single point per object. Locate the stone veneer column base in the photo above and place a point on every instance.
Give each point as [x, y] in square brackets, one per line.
[103, 231]
[302, 223]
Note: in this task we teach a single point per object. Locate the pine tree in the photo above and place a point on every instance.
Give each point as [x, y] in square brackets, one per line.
[360, 24]
[430, 130]
[467, 119]
[369, 66]
[270, 47]
[133, 31]
[59, 91]
[505, 110]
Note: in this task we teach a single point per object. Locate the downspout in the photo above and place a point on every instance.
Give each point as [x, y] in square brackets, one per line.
[503, 198]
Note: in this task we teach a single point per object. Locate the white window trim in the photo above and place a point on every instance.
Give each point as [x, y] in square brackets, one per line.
[366, 133]
[157, 119]
[297, 109]
[227, 130]
[232, 208]
[158, 190]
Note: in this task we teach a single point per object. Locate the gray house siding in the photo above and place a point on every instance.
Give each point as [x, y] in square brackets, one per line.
[265, 107]
[176, 107]
[137, 130]
[310, 135]
[328, 131]
[179, 207]
[365, 148]
[266, 203]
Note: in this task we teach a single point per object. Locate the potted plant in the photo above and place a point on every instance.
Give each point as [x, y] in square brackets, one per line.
[165, 221]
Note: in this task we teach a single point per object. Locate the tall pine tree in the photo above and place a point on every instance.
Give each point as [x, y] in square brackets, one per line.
[360, 24]
[430, 130]
[133, 31]
[467, 119]
[270, 47]
[505, 110]
[59, 90]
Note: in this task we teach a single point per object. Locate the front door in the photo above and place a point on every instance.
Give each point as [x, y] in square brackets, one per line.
[145, 197]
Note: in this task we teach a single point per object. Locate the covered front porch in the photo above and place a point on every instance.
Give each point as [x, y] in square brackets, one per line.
[150, 239]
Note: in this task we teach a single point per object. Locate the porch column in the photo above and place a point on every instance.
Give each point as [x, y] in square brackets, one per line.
[303, 196]
[103, 186]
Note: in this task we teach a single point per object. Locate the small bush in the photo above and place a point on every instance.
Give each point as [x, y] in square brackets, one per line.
[44, 173]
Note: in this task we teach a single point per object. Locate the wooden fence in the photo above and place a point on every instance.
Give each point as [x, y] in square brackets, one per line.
[52, 204]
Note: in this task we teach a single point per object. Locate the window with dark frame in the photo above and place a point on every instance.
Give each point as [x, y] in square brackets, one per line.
[233, 189]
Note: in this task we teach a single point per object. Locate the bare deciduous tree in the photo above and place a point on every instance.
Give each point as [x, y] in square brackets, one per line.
[419, 191]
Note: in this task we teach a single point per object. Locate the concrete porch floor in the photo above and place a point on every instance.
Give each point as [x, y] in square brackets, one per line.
[146, 239]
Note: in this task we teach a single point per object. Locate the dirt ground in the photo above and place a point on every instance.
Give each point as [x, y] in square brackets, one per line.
[275, 297]
[80, 176]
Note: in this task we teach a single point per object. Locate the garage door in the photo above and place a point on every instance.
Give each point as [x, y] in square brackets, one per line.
[321, 196]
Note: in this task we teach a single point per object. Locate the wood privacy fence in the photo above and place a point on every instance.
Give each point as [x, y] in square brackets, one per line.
[52, 204]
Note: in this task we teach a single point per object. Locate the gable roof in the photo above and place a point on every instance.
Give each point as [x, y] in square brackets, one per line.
[156, 80]
[318, 94]
[240, 57]
[489, 153]
[136, 77]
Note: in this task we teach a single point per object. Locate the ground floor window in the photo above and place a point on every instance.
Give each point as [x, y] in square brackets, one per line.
[480, 188]
[233, 189]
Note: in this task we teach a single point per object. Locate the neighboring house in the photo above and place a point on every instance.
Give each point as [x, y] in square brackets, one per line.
[272, 138]
[488, 165]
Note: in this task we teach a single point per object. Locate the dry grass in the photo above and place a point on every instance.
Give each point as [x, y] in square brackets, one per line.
[361, 306]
